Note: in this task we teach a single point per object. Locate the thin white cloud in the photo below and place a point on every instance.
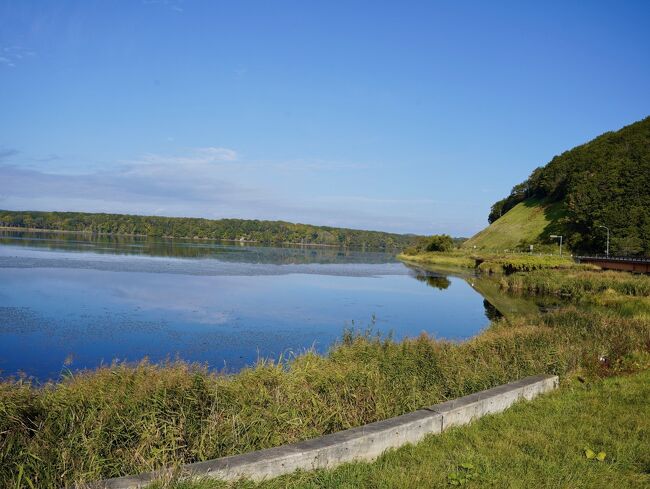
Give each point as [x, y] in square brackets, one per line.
[196, 157]
[10, 56]
[317, 165]
[219, 156]
[379, 201]
[212, 182]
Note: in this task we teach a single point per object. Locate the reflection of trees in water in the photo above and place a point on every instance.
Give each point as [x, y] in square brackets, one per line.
[184, 248]
[491, 312]
[497, 303]
[437, 281]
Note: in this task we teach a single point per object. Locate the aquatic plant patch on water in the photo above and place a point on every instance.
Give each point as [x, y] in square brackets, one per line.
[125, 419]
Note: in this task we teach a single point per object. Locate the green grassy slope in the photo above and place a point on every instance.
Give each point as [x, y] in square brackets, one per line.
[529, 222]
[605, 181]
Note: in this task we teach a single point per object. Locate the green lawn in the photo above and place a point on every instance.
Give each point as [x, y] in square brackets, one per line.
[533, 444]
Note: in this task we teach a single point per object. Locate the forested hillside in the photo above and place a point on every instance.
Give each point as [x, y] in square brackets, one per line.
[185, 227]
[605, 182]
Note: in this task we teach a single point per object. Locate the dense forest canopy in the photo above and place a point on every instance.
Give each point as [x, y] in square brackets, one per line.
[605, 182]
[221, 229]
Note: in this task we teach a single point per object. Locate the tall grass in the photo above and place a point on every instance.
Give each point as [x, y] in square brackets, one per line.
[538, 444]
[501, 263]
[125, 419]
[577, 283]
[511, 263]
[453, 259]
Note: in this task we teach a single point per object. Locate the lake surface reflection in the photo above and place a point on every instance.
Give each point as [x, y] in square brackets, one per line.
[70, 301]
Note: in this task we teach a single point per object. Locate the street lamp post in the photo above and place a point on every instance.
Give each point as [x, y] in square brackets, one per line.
[558, 236]
[607, 250]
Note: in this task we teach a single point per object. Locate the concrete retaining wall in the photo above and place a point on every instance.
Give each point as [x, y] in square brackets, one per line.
[362, 443]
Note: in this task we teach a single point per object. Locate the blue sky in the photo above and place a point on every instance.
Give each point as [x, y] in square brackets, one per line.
[399, 116]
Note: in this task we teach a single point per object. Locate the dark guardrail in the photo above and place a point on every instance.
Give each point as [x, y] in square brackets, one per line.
[627, 259]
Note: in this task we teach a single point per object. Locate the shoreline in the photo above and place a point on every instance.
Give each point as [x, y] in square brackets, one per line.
[360, 380]
[194, 238]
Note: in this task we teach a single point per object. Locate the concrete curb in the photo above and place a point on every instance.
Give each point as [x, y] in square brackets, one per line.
[362, 443]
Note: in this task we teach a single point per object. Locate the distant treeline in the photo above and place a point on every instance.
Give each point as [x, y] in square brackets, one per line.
[189, 227]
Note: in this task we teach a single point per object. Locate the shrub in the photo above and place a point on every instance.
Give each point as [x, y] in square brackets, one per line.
[439, 242]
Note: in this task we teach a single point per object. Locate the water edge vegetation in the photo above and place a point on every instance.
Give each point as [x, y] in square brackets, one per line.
[123, 419]
[544, 443]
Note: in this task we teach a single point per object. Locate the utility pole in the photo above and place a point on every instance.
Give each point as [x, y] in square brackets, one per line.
[558, 236]
[607, 251]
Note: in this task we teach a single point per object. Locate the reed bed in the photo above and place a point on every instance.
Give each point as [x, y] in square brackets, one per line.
[512, 263]
[489, 263]
[577, 283]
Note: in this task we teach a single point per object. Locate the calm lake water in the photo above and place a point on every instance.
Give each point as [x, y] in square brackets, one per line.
[73, 302]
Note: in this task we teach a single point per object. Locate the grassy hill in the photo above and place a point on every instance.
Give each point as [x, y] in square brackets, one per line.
[528, 222]
[605, 182]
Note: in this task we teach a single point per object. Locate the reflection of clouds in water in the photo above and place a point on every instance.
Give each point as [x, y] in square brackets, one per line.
[205, 267]
[222, 300]
[193, 302]
[198, 310]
